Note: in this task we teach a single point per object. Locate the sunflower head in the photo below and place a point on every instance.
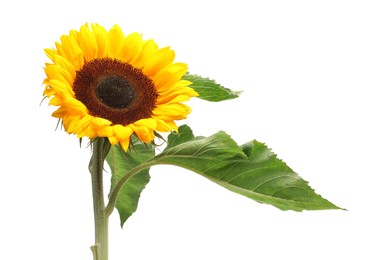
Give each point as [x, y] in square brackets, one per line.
[110, 85]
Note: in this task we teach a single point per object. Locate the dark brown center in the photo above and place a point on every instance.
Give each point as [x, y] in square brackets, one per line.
[115, 90]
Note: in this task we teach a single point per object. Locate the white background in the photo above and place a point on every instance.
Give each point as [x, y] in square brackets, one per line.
[314, 75]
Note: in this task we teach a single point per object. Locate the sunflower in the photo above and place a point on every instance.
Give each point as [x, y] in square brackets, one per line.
[110, 85]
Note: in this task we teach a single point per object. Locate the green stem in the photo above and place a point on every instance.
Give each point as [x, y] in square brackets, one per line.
[100, 249]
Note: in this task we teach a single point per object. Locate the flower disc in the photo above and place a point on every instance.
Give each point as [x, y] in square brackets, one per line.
[115, 90]
[110, 85]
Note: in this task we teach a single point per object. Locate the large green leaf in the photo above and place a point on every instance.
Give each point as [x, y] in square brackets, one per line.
[209, 90]
[120, 163]
[251, 170]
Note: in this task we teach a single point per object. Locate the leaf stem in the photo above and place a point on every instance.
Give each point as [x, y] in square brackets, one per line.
[100, 249]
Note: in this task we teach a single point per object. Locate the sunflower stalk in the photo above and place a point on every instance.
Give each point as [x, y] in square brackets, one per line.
[100, 148]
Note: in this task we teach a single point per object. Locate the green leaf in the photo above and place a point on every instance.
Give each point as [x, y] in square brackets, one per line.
[251, 170]
[183, 135]
[209, 90]
[122, 162]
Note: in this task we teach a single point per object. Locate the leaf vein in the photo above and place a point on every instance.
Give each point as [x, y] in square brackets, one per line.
[252, 170]
[274, 178]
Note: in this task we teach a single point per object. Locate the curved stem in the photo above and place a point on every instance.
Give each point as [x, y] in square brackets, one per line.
[113, 195]
[100, 249]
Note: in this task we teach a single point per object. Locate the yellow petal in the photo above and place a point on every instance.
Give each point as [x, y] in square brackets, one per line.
[113, 140]
[144, 133]
[72, 51]
[148, 122]
[88, 43]
[178, 95]
[148, 51]
[159, 60]
[105, 131]
[182, 84]
[75, 35]
[116, 41]
[65, 64]
[98, 121]
[84, 123]
[124, 144]
[97, 127]
[59, 113]
[165, 126]
[51, 53]
[122, 132]
[76, 106]
[56, 72]
[71, 124]
[169, 76]
[169, 112]
[101, 36]
[133, 45]
[87, 128]
[60, 49]
[56, 101]
[60, 87]
[144, 129]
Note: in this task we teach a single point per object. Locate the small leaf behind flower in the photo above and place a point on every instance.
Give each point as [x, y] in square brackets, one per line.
[184, 135]
[209, 90]
[122, 162]
[251, 170]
